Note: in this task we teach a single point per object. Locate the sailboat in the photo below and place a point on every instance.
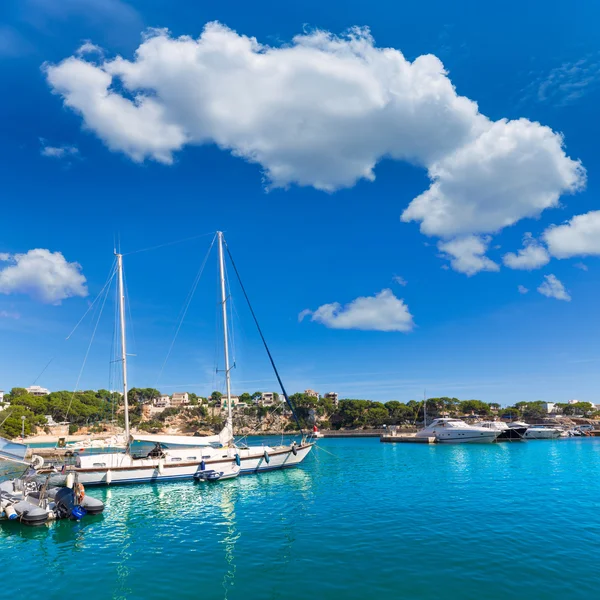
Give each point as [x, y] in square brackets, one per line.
[182, 457]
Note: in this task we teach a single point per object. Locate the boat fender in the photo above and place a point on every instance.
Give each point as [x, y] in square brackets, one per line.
[237, 460]
[11, 513]
[203, 466]
[79, 492]
[161, 466]
[70, 480]
[108, 477]
[294, 450]
[267, 457]
[37, 462]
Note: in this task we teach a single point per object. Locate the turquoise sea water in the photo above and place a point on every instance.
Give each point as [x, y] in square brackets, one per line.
[358, 520]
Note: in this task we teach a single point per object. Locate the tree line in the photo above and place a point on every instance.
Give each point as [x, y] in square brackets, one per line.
[91, 408]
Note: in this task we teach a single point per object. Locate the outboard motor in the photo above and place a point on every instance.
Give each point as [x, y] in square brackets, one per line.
[66, 505]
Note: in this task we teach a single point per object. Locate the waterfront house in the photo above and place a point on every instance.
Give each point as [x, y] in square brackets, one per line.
[162, 402]
[180, 399]
[332, 396]
[36, 390]
[312, 393]
[267, 399]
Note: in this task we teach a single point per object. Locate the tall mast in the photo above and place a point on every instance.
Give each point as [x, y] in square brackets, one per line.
[123, 343]
[225, 336]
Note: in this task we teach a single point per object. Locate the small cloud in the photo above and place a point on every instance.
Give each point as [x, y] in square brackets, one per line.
[553, 288]
[522, 289]
[445, 267]
[399, 280]
[382, 312]
[304, 314]
[532, 256]
[45, 276]
[58, 151]
[567, 82]
[581, 266]
[89, 48]
[467, 254]
[4, 256]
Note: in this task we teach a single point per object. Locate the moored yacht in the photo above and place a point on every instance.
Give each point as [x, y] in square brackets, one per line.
[506, 433]
[456, 431]
[542, 432]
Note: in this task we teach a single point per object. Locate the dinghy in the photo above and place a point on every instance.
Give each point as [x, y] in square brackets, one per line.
[32, 502]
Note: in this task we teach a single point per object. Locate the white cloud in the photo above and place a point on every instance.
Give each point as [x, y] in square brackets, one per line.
[44, 275]
[467, 254]
[399, 280]
[522, 289]
[58, 151]
[382, 312]
[578, 237]
[532, 256]
[89, 48]
[553, 288]
[567, 82]
[321, 112]
[581, 266]
[4, 256]
[512, 170]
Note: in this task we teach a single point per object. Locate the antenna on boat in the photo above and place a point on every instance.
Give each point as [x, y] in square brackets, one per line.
[123, 342]
[225, 336]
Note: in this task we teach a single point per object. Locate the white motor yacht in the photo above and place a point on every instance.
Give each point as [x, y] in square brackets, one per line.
[542, 432]
[456, 431]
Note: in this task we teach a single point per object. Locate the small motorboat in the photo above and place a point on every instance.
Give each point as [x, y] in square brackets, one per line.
[33, 502]
[227, 472]
[542, 432]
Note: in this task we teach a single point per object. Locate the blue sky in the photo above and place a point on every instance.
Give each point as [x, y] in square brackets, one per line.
[337, 169]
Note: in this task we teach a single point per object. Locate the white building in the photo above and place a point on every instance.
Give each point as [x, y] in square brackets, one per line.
[180, 399]
[266, 399]
[574, 401]
[550, 407]
[235, 400]
[36, 390]
[162, 402]
[332, 396]
[1, 395]
[312, 393]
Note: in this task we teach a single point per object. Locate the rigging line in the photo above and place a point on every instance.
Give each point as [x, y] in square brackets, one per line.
[108, 281]
[262, 337]
[88, 351]
[185, 310]
[194, 237]
[42, 371]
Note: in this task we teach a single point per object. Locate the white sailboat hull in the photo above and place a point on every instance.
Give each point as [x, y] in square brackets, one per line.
[114, 469]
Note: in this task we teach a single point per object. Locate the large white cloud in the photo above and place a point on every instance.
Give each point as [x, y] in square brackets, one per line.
[578, 237]
[321, 112]
[467, 254]
[44, 275]
[532, 256]
[382, 312]
[552, 287]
